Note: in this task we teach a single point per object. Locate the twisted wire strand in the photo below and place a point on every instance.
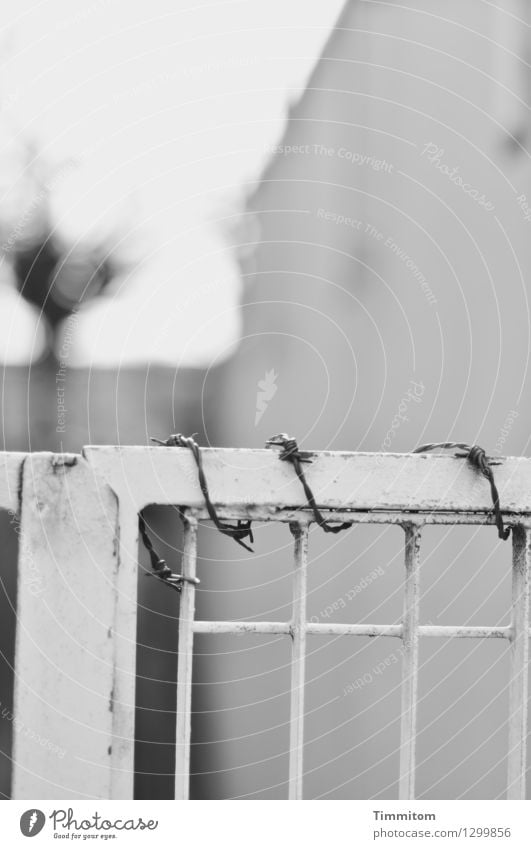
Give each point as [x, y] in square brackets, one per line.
[239, 532]
[478, 458]
[160, 568]
[291, 453]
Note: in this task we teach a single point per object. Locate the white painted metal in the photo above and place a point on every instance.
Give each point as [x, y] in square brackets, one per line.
[338, 629]
[201, 627]
[10, 480]
[185, 663]
[410, 642]
[124, 635]
[339, 480]
[518, 687]
[65, 661]
[298, 661]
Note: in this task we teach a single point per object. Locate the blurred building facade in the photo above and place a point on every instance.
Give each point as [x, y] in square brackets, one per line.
[386, 304]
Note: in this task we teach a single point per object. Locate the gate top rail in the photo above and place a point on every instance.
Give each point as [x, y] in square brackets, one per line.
[340, 480]
[248, 477]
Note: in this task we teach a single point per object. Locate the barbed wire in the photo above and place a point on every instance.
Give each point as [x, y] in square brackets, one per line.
[291, 453]
[242, 530]
[160, 568]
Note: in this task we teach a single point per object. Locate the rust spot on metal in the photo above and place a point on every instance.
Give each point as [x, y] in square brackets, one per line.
[20, 486]
[62, 461]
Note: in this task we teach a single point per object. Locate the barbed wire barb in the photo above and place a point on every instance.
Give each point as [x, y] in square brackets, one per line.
[291, 453]
[239, 532]
[478, 458]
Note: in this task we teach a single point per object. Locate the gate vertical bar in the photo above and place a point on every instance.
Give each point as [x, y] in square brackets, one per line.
[65, 660]
[298, 661]
[185, 662]
[410, 645]
[518, 686]
[124, 637]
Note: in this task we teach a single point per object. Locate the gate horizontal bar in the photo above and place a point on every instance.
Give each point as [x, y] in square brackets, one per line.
[324, 629]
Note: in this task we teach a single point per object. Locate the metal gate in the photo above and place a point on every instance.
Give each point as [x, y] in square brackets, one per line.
[77, 580]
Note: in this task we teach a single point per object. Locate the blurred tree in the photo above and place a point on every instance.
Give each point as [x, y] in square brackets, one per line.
[51, 274]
